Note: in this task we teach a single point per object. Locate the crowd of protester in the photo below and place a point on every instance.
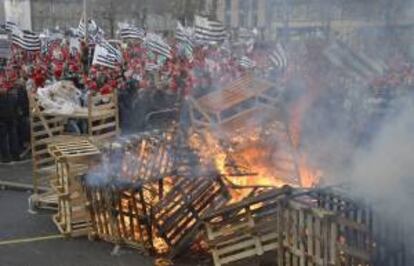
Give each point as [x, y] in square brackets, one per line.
[145, 82]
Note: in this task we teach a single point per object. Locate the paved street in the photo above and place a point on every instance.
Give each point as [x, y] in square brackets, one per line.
[17, 223]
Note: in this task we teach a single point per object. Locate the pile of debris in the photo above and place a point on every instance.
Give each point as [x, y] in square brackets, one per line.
[147, 204]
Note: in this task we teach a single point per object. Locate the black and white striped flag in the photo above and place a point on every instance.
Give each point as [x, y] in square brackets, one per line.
[4, 46]
[278, 57]
[131, 32]
[110, 48]
[94, 31]
[102, 56]
[26, 39]
[207, 30]
[185, 39]
[246, 62]
[158, 45]
[9, 26]
[183, 34]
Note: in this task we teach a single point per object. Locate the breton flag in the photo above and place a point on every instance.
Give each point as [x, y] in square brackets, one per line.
[278, 57]
[9, 26]
[110, 48]
[185, 39]
[26, 39]
[183, 34]
[246, 62]
[4, 46]
[94, 31]
[132, 32]
[106, 55]
[207, 30]
[158, 45]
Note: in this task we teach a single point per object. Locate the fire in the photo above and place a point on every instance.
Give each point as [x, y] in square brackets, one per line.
[309, 176]
[253, 160]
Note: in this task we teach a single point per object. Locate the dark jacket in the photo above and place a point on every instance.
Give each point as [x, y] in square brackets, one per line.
[8, 105]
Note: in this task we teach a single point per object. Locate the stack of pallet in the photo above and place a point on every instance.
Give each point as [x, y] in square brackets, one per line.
[160, 216]
[145, 203]
[72, 160]
[101, 116]
[303, 228]
[239, 109]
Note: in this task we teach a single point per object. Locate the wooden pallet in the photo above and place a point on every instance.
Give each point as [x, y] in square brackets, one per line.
[72, 161]
[103, 116]
[228, 103]
[121, 214]
[245, 229]
[241, 109]
[161, 217]
[142, 156]
[121, 208]
[44, 129]
[301, 231]
[363, 234]
[177, 215]
[45, 201]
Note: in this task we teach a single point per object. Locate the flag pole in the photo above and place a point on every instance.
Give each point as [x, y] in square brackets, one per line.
[86, 24]
[85, 20]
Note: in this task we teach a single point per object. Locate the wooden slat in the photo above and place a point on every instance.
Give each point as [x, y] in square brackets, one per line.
[104, 126]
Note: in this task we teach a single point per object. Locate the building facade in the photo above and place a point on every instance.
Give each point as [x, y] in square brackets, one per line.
[293, 17]
[17, 11]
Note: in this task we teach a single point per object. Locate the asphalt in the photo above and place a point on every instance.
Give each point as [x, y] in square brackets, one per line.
[17, 223]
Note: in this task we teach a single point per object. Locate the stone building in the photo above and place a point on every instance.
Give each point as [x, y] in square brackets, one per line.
[107, 13]
[155, 14]
[295, 17]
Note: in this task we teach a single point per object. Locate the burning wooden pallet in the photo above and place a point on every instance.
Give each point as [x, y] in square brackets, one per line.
[147, 198]
[72, 159]
[245, 110]
[177, 215]
[161, 216]
[120, 215]
[129, 180]
[299, 231]
[141, 157]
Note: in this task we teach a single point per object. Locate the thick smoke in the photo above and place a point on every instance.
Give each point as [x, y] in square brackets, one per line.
[384, 172]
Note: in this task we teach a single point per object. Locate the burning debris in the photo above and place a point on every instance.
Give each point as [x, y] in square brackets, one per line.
[147, 198]
[313, 227]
